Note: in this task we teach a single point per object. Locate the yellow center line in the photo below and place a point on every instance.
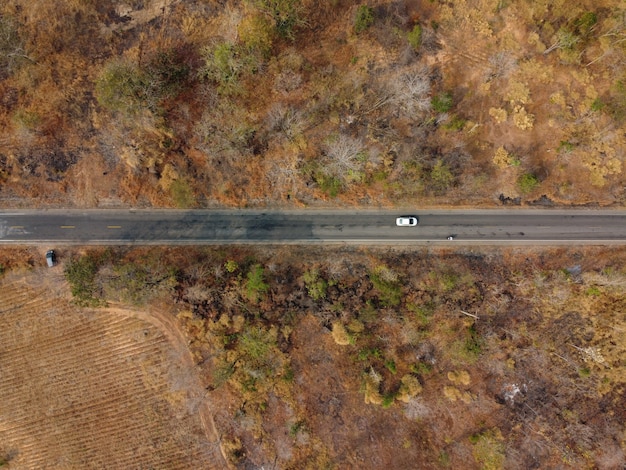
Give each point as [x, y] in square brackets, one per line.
[16, 226]
[114, 226]
[68, 226]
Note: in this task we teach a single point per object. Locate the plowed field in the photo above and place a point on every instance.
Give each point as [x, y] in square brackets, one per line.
[102, 388]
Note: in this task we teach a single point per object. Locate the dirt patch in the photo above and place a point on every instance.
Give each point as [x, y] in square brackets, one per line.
[94, 389]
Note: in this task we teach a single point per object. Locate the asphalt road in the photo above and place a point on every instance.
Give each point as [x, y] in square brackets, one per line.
[152, 227]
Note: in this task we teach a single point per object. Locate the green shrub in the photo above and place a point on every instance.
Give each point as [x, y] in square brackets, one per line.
[378, 176]
[255, 285]
[231, 266]
[585, 23]
[288, 374]
[256, 33]
[391, 366]
[442, 103]
[473, 343]
[444, 459]
[125, 87]
[441, 178]
[329, 184]
[224, 64]
[182, 194]
[222, 373]
[366, 353]
[456, 123]
[449, 281]
[527, 182]
[421, 368]
[315, 285]
[252, 363]
[566, 39]
[286, 14]
[248, 383]
[566, 146]
[119, 86]
[488, 449]
[130, 283]
[415, 37]
[297, 427]
[593, 291]
[388, 400]
[255, 344]
[27, 119]
[390, 291]
[597, 105]
[422, 312]
[364, 18]
[81, 275]
[138, 281]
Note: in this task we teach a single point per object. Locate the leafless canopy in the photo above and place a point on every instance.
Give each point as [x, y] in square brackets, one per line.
[343, 153]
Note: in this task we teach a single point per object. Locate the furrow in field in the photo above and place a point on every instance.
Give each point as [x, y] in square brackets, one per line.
[85, 389]
[70, 338]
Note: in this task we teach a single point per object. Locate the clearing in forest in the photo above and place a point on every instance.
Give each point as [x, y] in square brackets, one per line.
[95, 388]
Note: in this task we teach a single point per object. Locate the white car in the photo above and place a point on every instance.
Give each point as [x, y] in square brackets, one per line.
[406, 221]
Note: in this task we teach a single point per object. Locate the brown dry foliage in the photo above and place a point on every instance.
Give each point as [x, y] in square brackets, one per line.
[538, 377]
[228, 148]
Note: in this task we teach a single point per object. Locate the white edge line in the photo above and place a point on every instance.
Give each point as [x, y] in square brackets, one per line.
[437, 242]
